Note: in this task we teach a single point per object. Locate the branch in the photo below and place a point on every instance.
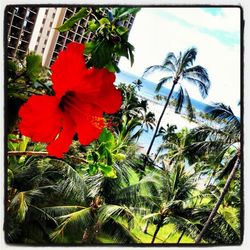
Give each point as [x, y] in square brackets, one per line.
[35, 153]
[42, 153]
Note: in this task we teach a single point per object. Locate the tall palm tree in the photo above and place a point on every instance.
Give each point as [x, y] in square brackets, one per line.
[221, 140]
[178, 70]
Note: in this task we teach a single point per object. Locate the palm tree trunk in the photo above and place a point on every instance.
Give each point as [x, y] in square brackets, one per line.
[145, 228]
[159, 121]
[217, 205]
[183, 232]
[156, 155]
[157, 229]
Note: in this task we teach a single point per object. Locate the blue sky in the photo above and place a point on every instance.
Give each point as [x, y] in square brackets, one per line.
[215, 32]
[214, 11]
[226, 36]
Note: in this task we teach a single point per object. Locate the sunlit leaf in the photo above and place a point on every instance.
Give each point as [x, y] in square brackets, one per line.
[34, 66]
[71, 21]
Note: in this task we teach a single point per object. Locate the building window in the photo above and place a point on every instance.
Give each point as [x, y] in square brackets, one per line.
[43, 50]
[46, 11]
[53, 15]
[45, 41]
[50, 25]
[44, 21]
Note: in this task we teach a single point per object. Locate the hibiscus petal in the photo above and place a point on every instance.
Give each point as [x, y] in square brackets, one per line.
[111, 100]
[40, 118]
[64, 139]
[89, 121]
[89, 129]
[69, 68]
[98, 88]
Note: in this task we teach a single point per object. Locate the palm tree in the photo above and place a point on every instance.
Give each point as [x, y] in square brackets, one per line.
[180, 69]
[175, 146]
[220, 140]
[107, 207]
[166, 135]
[174, 196]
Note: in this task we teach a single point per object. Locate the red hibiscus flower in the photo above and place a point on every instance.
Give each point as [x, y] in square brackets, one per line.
[81, 97]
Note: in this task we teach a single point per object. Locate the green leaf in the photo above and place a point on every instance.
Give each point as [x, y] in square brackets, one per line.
[33, 66]
[104, 21]
[95, 156]
[109, 157]
[23, 144]
[121, 50]
[93, 26]
[12, 69]
[89, 46]
[102, 149]
[102, 53]
[108, 171]
[10, 177]
[112, 67]
[131, 55]
[121, 13]
[93, 168]
[107, 137]
[121, 30]
[71, 21]
[119, 156]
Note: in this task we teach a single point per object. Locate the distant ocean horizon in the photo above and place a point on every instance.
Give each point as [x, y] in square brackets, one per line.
[147, 90]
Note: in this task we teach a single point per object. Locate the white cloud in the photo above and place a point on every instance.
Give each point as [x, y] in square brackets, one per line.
[228, 20]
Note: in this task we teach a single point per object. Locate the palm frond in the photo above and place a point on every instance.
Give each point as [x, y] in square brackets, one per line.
[198, 72]
[180, 100]
[162, 81]
[72, 185]
[57, 211]
[118, 232]
[114, 211]
[202, 87]
[222, 232]
[73, 223]
[190, 110]
[221, 111]
[21, 202]
[151, 215]
[154, 68]
[170, 61]
[140, 194]
[41, 215]
[188, 58]
[229, 166]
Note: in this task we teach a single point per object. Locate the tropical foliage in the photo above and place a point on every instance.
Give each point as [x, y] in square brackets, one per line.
[105, 192]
